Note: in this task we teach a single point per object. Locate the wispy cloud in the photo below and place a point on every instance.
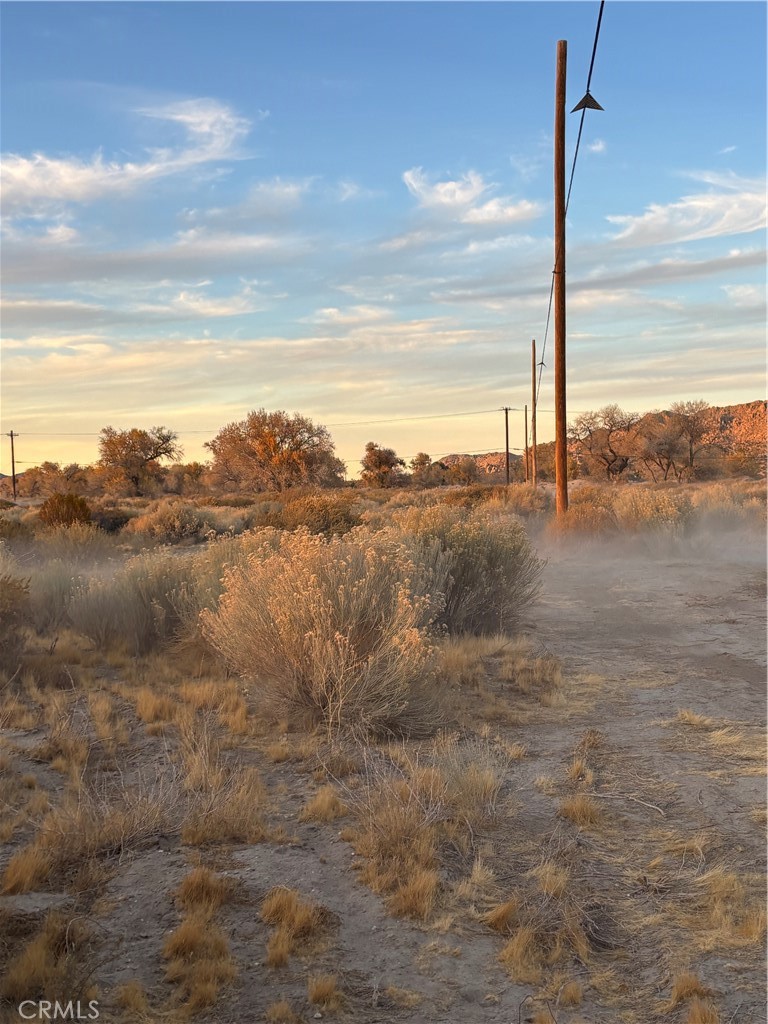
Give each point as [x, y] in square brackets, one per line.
[598, 146]
[212, 132]
[452, 195]
[736, 207]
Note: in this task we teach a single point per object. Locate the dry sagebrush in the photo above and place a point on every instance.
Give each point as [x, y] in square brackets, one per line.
[480, 560]
[329, 629]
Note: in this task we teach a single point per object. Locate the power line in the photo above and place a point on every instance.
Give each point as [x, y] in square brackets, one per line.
[570, 186]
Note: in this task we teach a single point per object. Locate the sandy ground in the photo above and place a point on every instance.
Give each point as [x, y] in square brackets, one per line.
[643, 630]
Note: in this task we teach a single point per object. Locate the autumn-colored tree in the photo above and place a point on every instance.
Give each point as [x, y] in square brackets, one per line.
[52, 478]
[694, 422]
[464, 471]
[381, 467]
[274, 451]
[425, 472]
[132, 456]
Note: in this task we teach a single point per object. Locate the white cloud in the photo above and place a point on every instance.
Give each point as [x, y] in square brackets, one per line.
[212, 132]
[748, 295]
[726, 149]
[445, 195]
[502, 211]
[738, 207]
[598, 146]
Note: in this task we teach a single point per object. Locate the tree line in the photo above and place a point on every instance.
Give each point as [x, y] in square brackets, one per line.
[274, 451]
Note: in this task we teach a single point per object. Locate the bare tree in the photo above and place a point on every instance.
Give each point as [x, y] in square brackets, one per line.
[606, 439]
[660, 445]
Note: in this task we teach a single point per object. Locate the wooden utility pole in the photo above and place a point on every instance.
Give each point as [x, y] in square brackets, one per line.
[527, 474]
[534, 467]
[561, 444]
[13, 464]
[506, 437]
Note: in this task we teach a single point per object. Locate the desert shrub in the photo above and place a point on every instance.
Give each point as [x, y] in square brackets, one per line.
[322, 513]
[15, 531]
[64, 510]
[14, 615]
[741, 503]
[644, 508]
[78, 544]
[480, 560]
[469, 496]
[111, 518]
[170, 522]
[330, 631]
[156, 597]
[522, 499]
[135, 608]
[590, 510]
[52, 586]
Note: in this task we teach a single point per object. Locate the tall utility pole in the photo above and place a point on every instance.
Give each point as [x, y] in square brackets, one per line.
[13, 464]
[527, 474]
[534, 467]
[506, 437]
[561, 448]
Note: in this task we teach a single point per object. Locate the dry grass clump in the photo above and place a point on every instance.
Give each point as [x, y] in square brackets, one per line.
[530, 673]
[571, 994]
[132, 997]
[203, 890]
[331, 630]
[152, 707]
[107, 724]
[552, 878]
[26, 869]
[199, 961]
[721, 913]
[323, 990]
[523, 955]
[51, 965]
[685, 986]
[281, 1013]
[230, 812]
[464, 659]
[297, 924]
[398, 835]
[702, 1012]
[471, 774]
[325, 805]
[692, 718]
[580, 809]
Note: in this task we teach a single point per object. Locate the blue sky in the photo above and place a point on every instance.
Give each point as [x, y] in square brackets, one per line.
[345, 209]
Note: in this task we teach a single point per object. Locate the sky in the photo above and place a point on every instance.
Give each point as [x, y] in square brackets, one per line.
[345, 210]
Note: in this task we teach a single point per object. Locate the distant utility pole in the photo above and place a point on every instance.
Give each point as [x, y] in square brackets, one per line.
[13, 464]
[561, 447]
[506, 437]
[526, 445]
[534, 465]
